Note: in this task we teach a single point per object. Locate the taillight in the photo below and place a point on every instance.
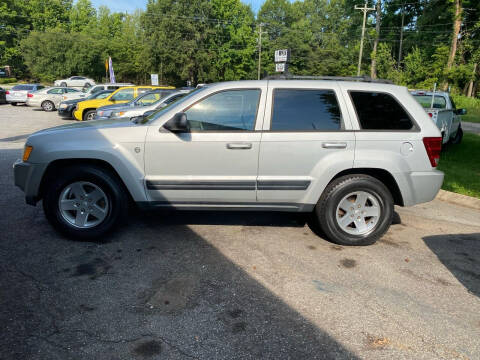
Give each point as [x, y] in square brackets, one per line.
[7, 92]
[30, 95]
[433, 145]
[430, 114]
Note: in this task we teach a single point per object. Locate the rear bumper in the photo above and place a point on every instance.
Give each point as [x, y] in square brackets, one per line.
[32, 102]
[420, 187]
[11, 99]
[27, 176]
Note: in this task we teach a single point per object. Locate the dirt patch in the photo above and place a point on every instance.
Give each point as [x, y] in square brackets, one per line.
[348, 263]
[94, 269]
[377, 343]
[311, 247]
[148, 348]
[336, 247]
[172, 296]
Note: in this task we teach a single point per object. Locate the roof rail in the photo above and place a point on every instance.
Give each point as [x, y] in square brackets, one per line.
[331, 78]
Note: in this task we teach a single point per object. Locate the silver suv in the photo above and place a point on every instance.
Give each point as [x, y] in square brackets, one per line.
[344, 151]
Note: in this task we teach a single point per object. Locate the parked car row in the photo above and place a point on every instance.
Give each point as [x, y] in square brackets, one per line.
[100, 101]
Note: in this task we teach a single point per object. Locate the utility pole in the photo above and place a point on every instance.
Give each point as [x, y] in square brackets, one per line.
[365, 9]
[259, 48]
[401, 36]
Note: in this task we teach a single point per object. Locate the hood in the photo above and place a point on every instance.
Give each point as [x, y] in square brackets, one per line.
[87, 125]
[73, 101]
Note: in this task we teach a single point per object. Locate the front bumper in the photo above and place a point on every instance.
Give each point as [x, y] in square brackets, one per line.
[77, 115]
[66, 111]
[28, 176]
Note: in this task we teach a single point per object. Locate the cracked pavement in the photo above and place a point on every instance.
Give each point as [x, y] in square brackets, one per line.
[198, 285]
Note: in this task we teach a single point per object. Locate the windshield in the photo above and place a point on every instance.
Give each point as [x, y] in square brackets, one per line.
[23, 87]
[426, 101]
[99, 95]
[163, 110]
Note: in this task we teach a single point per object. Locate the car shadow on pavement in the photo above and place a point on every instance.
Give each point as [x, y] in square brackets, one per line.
[460, 254]
[155, 289]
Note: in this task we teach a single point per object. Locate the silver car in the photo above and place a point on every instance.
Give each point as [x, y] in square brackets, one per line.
[49, 98]
[344, 150]
[146, 105]
[19, 94]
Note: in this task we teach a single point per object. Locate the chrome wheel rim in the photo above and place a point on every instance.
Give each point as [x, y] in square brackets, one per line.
[358, 213]
[83, 204]
[90, 116]
[47, 106]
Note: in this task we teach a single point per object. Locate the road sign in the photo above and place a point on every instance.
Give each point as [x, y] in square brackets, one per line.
[280, 67]
[154, 78]
[282, 56]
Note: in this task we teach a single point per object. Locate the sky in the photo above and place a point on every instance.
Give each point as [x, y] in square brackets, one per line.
[131, 5]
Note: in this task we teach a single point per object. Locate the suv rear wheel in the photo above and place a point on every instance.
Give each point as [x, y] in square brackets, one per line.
[354, 210]
[85, 202]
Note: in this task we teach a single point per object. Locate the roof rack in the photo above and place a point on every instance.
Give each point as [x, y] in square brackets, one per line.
[331, 78]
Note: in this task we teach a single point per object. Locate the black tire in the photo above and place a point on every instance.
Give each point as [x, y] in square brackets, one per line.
[63, 84]
[104, 179]
[14, 104]
[325, 210]
[89, 115]
[458, 137]
[47, 105]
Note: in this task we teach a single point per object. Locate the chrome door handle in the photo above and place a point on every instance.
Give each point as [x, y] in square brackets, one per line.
[239, 146]
[334, 145]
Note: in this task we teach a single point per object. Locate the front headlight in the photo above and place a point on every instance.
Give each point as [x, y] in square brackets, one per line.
[26, 152]
[62, 106]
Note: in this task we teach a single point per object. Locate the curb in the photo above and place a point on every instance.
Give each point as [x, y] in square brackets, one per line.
[458, 199]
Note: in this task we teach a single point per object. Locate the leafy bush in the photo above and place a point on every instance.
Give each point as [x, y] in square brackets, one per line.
[7, 80]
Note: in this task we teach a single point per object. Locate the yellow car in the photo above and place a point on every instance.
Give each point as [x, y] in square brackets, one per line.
[86, 109]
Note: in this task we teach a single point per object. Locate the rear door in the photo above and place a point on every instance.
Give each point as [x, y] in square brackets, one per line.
[306, 134]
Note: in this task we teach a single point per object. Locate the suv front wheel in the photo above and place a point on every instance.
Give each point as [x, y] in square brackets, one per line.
[85, 202]
[354, 210]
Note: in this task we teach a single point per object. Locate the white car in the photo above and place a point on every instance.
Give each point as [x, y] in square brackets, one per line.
[94, 89]
[75, 81]
[49, 98]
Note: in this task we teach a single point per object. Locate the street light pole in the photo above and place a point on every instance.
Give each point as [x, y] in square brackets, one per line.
[364, 9]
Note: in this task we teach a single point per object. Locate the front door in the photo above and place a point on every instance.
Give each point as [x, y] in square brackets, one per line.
[216, 162]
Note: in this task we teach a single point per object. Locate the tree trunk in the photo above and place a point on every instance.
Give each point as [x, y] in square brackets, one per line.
[470, 85]
[456, 30]
[373, 68]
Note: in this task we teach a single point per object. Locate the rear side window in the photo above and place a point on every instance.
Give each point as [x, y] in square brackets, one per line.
[55, 91]
[305, 110]
[380, 111]
[122, 95]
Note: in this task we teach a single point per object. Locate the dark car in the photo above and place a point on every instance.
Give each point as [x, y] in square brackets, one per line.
[3, 96]
[66, 108]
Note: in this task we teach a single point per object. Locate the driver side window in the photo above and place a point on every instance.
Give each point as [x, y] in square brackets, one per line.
[230, 110]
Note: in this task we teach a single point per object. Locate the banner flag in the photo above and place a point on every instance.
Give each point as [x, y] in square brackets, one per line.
[112, 74]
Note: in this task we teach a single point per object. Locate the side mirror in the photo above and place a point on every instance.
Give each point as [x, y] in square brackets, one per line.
[461, 111]
[140, 119]
[178, 123]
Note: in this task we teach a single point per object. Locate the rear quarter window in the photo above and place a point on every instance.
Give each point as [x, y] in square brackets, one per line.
[380, 111]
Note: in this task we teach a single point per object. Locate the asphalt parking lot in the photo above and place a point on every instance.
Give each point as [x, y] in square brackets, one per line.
[200, 285]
